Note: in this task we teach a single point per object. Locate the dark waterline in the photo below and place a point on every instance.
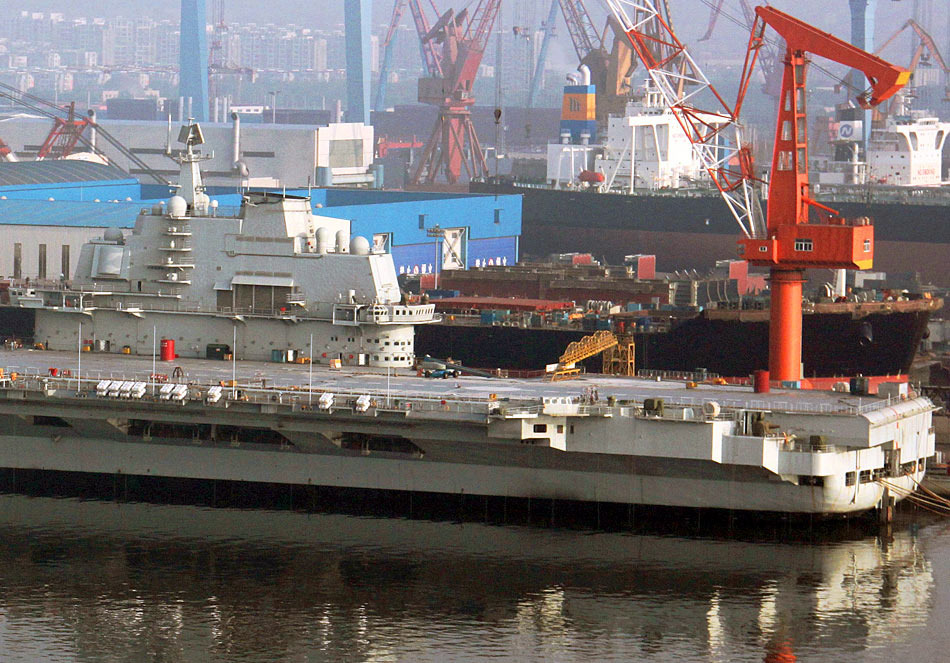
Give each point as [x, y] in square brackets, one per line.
[86, 580]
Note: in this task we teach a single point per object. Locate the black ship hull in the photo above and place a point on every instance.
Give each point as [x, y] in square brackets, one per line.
[834, 344]
[695, 231]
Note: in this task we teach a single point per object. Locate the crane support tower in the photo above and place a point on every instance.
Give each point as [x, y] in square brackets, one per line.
[461, 38]
[791, 243]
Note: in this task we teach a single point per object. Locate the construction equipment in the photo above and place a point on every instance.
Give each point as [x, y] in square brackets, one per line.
[452, 68]
[925, 52]
[621, 358]
[609, 69]
[792, 243]
[54, 112]
[6, 154]
[715, 133]
[383, 145]
[63, 137]
[386, 62]
[770, 58]
[789, 243]
[548, 28]
[587, 347]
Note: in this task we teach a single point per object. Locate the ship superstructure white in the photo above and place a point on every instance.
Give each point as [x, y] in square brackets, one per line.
[908, 151]
[644, 149]
[265, 279]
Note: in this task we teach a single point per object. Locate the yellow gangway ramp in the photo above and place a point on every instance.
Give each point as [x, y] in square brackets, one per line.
[588, 346]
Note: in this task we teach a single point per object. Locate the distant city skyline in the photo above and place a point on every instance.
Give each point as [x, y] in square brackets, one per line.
[690, 16]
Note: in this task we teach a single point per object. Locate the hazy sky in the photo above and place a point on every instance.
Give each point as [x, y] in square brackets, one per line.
[690, 16]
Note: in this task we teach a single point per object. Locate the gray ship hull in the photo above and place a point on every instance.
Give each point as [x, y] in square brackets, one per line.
[422, 439]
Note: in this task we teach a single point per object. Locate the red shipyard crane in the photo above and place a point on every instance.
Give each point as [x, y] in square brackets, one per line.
[453, 50]
[789, 243]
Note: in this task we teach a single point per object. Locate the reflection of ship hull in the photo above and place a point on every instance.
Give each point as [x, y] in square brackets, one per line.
[728, 343]
[396, 578]
[695, 231]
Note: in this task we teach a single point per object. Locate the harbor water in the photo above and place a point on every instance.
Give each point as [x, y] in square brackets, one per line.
[88, 580]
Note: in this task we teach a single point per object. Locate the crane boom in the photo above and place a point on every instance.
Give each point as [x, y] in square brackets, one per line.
[793, 243]
[548, 28]
[399, 8]
[584, 36]
[715, 135]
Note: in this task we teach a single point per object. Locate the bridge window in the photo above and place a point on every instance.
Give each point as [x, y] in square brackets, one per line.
[540, 428]
[867, 246]
[804, 245]
[849, 479]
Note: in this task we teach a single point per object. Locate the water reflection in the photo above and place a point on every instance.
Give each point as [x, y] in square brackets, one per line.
[106, 581]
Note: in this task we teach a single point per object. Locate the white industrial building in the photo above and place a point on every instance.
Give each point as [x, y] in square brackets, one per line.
[244, 155]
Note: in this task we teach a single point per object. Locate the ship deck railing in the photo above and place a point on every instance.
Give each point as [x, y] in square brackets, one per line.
[676, 408]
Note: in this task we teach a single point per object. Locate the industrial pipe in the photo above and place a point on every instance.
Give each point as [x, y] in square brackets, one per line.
[92, 129]
[585, 74]
[235, 139]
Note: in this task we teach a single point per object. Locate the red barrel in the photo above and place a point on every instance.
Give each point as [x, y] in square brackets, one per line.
[760, 382]
[167, 349]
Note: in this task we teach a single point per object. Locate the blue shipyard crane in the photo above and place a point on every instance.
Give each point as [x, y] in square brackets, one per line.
[386, 62]
[548, 28]
[429, 57]
[193, 59]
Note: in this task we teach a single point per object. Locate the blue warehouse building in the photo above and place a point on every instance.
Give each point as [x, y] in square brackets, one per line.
[478, 229]
[49, 209]
[67, 179]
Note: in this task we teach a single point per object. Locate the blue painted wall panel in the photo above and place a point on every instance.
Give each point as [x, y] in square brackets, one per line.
[82, 191]
[500, 250]
[421, 258]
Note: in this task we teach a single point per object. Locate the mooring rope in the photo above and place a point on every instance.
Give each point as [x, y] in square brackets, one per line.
[929, 500]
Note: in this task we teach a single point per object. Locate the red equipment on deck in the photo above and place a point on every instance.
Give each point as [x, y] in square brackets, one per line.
[792, 244]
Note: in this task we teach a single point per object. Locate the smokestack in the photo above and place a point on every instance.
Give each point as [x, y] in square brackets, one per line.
[585, 74]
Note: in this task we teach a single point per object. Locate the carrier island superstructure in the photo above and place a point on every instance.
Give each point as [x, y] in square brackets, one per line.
[268, 277]
[594, 439]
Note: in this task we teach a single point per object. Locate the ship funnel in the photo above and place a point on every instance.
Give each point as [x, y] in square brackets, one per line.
[585, 74]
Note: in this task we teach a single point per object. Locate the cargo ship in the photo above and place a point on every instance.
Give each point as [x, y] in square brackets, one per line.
[680, 322]
[694, 227]
[747, 449]
[642, 190]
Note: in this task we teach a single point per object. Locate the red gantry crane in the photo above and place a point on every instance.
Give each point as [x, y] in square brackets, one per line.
[789, 243]
[452, 69]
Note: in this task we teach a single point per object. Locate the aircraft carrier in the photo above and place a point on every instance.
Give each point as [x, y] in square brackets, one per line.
[595, 439]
